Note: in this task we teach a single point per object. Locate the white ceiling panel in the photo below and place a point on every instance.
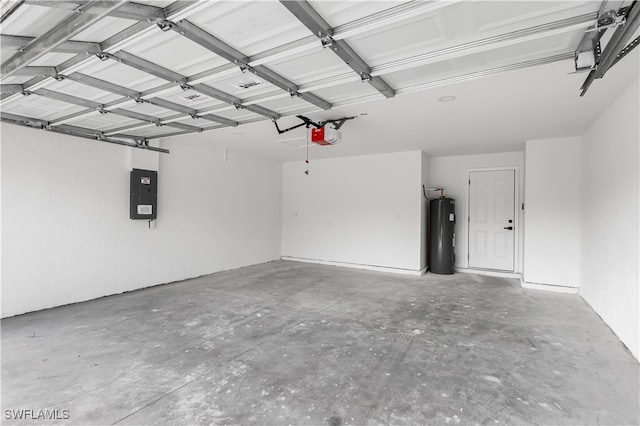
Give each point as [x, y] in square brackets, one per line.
[340, 12]
[104, 122]
[33, 21]
[421, 74]
[489, 16]
[251, 27]
[175, 52]
[82, 91]
[242, 85]
[192, 99]
[401, 40]
[122, 75]
[286, 103]
[345, 91]
[44, 108]
[103, 29]
[51, 59]
[15, 79]
[310, 66]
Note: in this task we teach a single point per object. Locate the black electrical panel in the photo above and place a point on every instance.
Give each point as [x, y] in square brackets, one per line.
[144, 194]
[442, 235]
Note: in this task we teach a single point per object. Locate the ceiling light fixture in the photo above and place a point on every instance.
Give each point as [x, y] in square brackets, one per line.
[447, 98]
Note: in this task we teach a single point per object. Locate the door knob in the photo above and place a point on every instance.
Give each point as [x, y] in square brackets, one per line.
[510, 228]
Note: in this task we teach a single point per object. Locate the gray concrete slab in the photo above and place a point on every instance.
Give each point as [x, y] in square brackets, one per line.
[293, 343]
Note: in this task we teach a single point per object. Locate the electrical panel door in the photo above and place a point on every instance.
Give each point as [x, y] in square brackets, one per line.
[144, 194]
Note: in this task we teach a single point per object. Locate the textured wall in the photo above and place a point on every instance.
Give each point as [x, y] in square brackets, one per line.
[610, 215]
[67, 235]
[363, 210]
[552, 200]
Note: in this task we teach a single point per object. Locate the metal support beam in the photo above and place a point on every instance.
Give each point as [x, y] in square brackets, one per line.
[37, 72]
[619, 40]
[25, 121]
[74, 131]
[136, 115]
[80, 130]
[218, 119]
[262, 111]
[137, 11]
[220, 48]
[146, 66]
[54, 37]
[615, 46]
[191, 129]
[629, 47]
[11, 88]
[69, 99]
[103, 85]
[172, 106]
[190, 111]
[217, 94]
[306, 14]
[233, 100]
[69, 46]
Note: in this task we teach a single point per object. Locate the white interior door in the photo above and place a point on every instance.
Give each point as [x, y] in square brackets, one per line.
[492, 219]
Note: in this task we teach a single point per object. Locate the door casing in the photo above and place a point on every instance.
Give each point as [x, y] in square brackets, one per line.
[517, 209]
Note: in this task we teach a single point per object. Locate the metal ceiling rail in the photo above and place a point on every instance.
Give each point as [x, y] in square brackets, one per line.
[488, 72]
[311, 19]
[166, 75]
[69, 99]
[615, 46]
[131, 10]
[11, 88]
[502, 40]
[190, 111]
[38, 71]
[96, 83]
[144, 65]
[141, 143]
[220, 48]
[95, 106]
[69, 46]
[66, 29]
[176, 9]
[159, 135]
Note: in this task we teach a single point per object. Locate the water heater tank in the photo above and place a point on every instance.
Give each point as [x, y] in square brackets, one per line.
[442, 229]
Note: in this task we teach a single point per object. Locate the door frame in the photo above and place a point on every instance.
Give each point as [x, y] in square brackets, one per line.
[517, 213]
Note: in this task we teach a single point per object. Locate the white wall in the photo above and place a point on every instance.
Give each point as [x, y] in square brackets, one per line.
[67, 235]
[451, 173]
[552, 210]
[363, 210]
[610, 215]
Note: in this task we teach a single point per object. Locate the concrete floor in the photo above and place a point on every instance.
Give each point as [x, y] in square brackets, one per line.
[292, 343]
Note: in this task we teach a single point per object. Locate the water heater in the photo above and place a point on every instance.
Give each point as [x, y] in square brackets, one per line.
[442, 230]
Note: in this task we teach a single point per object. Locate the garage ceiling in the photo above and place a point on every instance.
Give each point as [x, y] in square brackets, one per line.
[130, 72]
